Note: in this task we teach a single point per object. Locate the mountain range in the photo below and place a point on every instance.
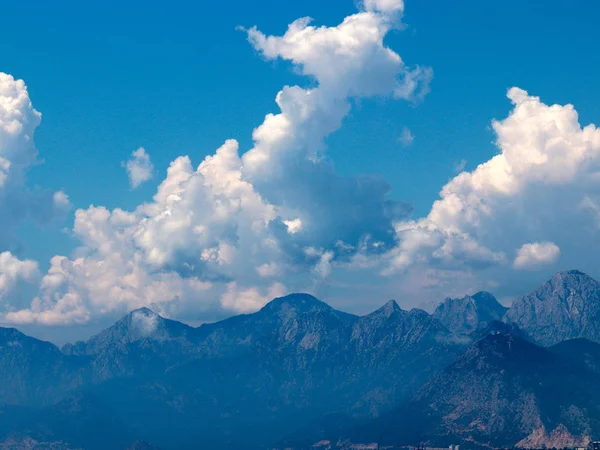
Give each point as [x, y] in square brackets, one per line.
[298, 373]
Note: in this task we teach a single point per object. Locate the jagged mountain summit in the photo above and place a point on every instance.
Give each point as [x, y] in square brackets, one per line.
[565, 307]
[467, 314]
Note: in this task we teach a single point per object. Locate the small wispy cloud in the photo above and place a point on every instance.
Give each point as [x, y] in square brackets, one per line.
[460, 166]
[139, 167]
[406, 138]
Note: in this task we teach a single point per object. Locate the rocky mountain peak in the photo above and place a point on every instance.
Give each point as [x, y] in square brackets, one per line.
[485, 299]
[138, 324]
[141, 324]
[294, 304]
[389, 308]
[12, 340]
[144, 311]
[565, 307]
[469, 313]
[9, 333]
[569, 279]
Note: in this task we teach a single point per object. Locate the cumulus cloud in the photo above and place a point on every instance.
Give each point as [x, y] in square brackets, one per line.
[386, 6]
[241, 227]
[293, 226]
[460, 166]
[269, 270]
[18, 121]
[223, 229]
[139, 167]
[250, 299]
[14, 272]
[536, 254]
[542, 187]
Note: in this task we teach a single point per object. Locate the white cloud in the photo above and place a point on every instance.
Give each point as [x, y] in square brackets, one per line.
[144, 323]
[542, 187]
[406, 137]
[221, 230]
[269, 270]
[293, 226]
[215, 236]
[324, 266]
[249, 300]
[536, 254]
[13, 272]
[385, 6]
[139, 167]
[460, 166]
[18, 121]
[347, 61]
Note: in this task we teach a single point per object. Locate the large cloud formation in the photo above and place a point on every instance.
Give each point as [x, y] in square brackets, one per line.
[238, 229]
[235, 227]
[532, 203]
[18, 121]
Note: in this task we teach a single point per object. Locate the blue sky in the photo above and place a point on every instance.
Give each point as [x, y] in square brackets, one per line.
[179, 78]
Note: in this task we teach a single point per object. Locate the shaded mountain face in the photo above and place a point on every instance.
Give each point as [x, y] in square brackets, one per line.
[465, 315]
[298, 322]
[501, 392]
[34, 372]
[580, 352]
[565, 307]
[498, 327]
[397, 351]
[141, 342]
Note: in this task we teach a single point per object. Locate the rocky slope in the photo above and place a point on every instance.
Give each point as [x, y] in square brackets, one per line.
[466, 315]
[565, 307]
[34, 372]
[502, 391]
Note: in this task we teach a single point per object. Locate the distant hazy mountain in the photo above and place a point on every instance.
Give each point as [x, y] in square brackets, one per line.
[467, 314]
[34, 372]
[565, 307]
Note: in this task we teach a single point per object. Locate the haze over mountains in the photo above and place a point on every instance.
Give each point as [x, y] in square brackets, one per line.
[298, 372]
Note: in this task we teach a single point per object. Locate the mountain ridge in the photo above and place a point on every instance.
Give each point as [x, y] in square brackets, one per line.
[254, 379]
